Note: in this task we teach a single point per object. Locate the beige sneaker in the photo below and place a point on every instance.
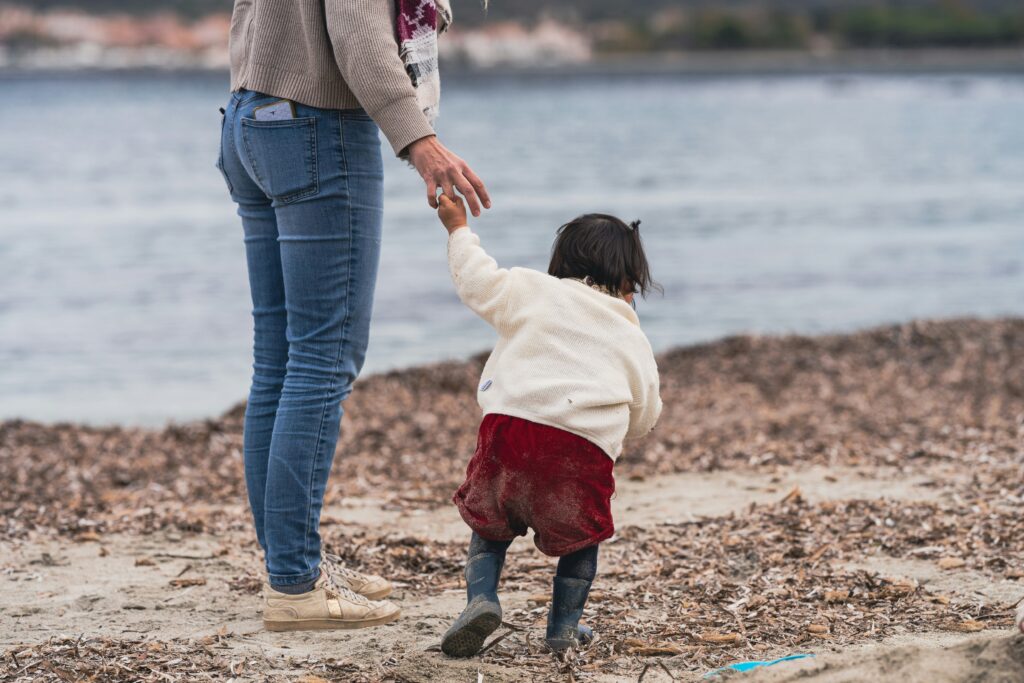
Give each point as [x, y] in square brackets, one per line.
[368, 585]
[327, 606]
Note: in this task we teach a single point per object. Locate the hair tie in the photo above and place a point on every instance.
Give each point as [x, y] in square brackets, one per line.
[635, 225]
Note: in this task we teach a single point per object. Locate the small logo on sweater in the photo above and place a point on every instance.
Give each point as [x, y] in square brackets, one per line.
[486, 385]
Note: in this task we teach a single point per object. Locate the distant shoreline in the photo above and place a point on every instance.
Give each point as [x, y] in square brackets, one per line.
[785, 61]
[698, 64]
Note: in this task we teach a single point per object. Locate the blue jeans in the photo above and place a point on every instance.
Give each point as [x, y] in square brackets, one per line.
[309, 191]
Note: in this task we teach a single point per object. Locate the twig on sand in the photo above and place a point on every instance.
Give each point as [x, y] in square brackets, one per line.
[494, 642]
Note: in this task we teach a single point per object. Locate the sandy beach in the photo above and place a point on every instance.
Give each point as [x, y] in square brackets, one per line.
[856, 497]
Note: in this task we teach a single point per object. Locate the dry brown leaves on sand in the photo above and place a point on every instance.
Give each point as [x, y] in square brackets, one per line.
[700, 594]
[127, 660]
[902, 395]
[764, 582]
[117, 660]
[761, 584]
[898, 395]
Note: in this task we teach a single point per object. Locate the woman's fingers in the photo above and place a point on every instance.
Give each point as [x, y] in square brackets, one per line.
[459, 178]
[478, 185]
[448, 188]
[467, 191]
[442, 169]
[431, 192]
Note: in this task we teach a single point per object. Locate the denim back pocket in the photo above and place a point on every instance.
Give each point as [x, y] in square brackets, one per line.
[283, 157]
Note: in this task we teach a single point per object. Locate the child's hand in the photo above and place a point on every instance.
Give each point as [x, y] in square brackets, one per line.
[451, 213]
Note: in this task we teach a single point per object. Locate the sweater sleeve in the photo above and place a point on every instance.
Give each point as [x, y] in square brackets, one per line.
[646, 405]
[362, 34]
[484, 287]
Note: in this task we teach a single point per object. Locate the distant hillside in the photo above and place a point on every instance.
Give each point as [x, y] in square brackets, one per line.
[471, 12]
[187, 8]
[635, 26]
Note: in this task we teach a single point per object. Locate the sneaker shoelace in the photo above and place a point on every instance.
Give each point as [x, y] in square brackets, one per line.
[341, 570]
[342, 591]
[335, 572]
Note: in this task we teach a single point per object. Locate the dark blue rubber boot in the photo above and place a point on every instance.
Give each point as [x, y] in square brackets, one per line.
[482, 615]
[567, 600]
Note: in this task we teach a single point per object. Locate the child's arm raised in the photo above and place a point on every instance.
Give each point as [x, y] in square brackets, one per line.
[480, 283]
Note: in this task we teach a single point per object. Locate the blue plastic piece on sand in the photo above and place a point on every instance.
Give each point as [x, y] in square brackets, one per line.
[747, 666]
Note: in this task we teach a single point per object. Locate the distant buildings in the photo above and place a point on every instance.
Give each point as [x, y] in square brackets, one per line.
[73, 39]
[745, 36]
[511, 44]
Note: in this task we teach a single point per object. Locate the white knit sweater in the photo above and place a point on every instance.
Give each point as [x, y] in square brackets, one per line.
[568, 355]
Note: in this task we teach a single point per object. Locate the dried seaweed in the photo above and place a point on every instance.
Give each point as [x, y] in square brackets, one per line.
[906, 396]
[941, 399]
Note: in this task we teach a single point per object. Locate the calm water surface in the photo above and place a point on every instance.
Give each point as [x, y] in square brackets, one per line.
[790, 204]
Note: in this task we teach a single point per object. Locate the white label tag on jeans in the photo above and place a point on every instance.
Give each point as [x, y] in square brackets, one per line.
[278, 111]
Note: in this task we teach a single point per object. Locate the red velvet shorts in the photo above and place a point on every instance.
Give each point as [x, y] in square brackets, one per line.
[528, 475]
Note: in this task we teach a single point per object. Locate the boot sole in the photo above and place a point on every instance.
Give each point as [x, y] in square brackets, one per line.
[467, 638]
[327, 624]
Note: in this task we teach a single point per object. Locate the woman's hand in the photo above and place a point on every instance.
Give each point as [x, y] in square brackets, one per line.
[440, 168]
[451, 213]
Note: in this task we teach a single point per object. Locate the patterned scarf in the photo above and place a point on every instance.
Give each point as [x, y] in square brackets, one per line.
[418, 24]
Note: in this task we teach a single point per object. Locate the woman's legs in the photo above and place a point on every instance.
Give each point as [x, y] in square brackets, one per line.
[323, 174]
[270, 351]
[266, 286]
[330, 249]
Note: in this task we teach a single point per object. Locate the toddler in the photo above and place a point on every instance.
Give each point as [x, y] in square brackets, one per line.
[571, 376]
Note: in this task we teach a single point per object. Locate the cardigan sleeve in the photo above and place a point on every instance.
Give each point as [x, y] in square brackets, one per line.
[645, 409]
[362, 35]
[484, 287]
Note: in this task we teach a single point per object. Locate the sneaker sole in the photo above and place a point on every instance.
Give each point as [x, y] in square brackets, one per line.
[327, 624]
[467, 638]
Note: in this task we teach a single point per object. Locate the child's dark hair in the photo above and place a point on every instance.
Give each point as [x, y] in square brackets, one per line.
[605, 250]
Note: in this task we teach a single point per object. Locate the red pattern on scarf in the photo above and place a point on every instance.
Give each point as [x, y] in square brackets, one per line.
[413, 15]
